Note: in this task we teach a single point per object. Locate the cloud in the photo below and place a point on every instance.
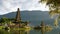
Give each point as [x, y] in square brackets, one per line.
[7, 6]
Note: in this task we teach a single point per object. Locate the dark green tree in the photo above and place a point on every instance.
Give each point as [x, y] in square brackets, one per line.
[4, 20]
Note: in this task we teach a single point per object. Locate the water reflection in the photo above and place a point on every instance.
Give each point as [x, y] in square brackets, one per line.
[23, 32]
[14, 32]
[34, 31]
[43, 30]
[20, 32]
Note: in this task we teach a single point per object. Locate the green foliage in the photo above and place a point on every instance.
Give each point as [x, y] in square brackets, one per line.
[53, 4]
[4, 20]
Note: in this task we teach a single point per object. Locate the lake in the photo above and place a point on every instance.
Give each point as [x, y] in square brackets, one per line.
[35, 19]
[54, 31]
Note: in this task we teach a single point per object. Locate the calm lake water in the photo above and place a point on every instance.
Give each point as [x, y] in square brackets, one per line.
[54, 31]
[35, 19]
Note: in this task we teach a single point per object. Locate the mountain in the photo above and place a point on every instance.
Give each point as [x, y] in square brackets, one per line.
[13, 14]
[32, 16]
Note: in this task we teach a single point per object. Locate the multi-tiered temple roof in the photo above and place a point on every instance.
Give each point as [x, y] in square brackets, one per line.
[18, 16]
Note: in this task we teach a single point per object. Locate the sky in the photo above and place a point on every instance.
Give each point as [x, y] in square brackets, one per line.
[7, 6]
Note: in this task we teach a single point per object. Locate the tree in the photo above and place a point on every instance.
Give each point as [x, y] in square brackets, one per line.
[54, 6]
[4, 20]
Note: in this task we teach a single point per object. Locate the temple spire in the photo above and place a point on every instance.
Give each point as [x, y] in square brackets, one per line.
[18, 16]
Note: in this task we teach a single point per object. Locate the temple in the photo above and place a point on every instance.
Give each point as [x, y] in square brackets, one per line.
[18, 21]
[18, 16]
